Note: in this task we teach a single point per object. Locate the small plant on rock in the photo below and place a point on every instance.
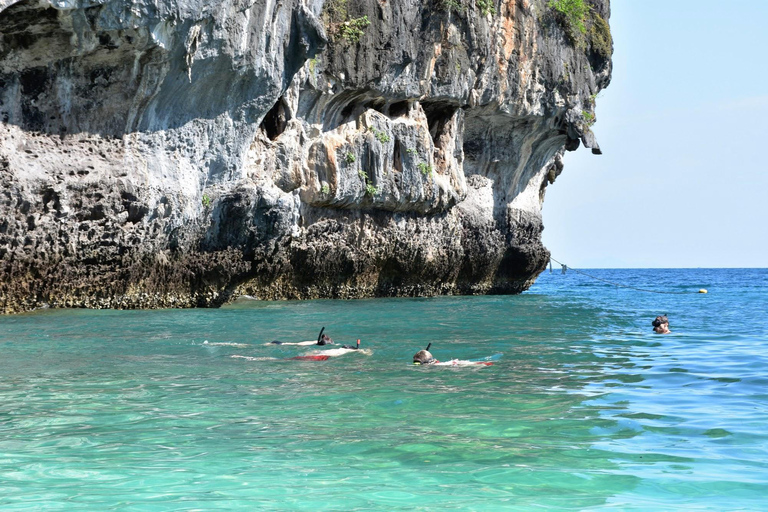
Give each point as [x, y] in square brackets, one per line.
[486, 7]
[352, 30]
[452, 5]
[371, 190]
[411, 151]
[425, 168]
[350, 158]
[362, 174]
[380, 136]
[572, 14]
[207, 202]
[325, 189]
[600, 38]
[335, 10]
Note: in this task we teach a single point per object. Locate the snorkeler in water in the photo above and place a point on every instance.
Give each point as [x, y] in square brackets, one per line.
[351, 347]
[661, 325]
[344, 349]
[424, 357]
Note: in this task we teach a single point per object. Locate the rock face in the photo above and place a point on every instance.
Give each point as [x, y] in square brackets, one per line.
[176, 153]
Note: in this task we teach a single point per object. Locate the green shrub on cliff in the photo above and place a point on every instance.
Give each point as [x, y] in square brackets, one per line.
[371, 190]
[380, 136]
[572, 14]
[585, 28]
[452, 5]
[600, 37]
[486, 7]
[352, 30]
[336, 17]
[335, 10]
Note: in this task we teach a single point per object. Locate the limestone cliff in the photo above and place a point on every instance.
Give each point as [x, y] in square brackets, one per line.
[175, 153]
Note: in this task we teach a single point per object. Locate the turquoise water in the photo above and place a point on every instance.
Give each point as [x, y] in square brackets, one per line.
[586, 409]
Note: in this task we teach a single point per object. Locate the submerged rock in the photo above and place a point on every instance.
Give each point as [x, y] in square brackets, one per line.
[178, 153]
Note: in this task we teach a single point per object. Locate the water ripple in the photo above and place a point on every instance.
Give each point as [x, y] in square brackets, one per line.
[585, 410]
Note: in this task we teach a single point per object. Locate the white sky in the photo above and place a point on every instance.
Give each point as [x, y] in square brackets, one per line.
[683, 178]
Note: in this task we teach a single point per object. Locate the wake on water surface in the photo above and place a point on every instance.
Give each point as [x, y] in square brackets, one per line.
[324, 355]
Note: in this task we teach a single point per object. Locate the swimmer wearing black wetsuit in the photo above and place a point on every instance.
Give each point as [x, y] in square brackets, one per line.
[322, 339]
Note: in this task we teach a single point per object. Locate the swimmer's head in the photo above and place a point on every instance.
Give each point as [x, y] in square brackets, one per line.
[661, 325]
[325, 340]
[423, 357]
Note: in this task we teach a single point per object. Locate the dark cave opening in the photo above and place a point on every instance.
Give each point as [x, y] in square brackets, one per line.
[275, 121]
[439, 115]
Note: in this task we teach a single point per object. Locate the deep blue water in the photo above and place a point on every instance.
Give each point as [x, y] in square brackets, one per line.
[586, 409]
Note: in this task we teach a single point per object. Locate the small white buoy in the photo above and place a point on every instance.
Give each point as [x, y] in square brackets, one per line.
[703, 290]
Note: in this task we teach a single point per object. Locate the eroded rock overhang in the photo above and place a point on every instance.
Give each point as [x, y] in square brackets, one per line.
[180, 153]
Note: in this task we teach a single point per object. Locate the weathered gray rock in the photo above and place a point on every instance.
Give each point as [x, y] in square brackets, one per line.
[177, 153]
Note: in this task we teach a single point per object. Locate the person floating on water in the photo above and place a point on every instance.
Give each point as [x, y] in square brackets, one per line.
[424, 357]
[322, 339]
[661, 325]
[351, 347]
[333, 352]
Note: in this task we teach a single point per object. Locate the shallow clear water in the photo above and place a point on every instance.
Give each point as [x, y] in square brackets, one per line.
[586, 409]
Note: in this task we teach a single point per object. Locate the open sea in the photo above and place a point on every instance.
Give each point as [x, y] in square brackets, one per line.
[586, 408]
